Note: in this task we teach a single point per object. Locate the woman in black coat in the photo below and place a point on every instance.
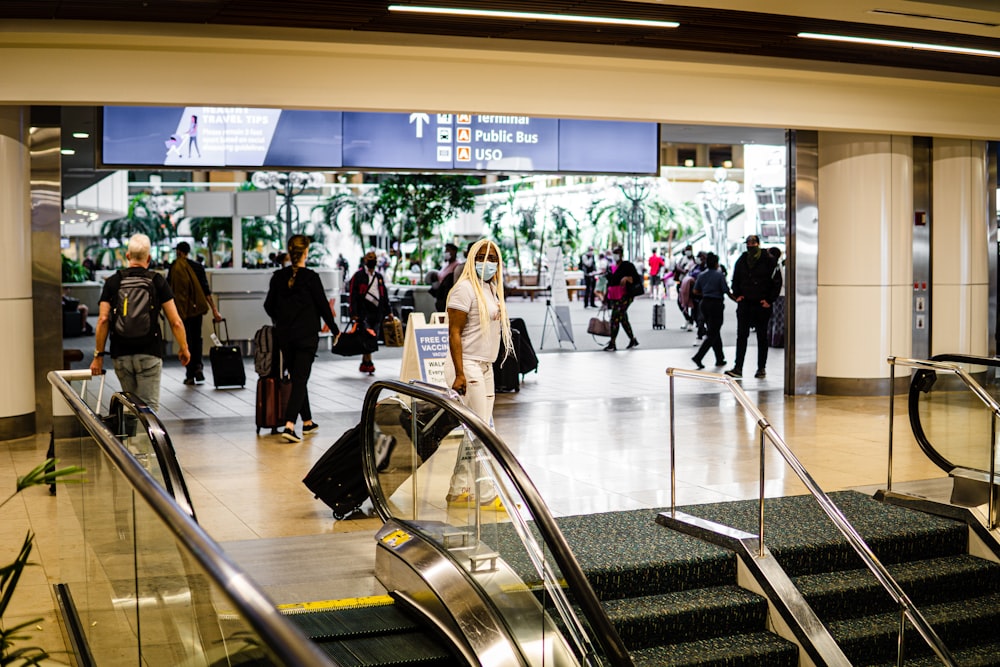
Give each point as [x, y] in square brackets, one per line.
[622, 283]
[296, 301]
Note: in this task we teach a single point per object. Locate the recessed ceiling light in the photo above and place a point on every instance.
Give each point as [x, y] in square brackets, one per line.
[68, 151]
[962, 50]
[81, 135]
[498, 14]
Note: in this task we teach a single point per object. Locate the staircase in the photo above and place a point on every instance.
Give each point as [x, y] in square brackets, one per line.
[672, 598]
[928, 555]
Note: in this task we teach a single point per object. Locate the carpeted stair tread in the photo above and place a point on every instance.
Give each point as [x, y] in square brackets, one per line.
[626, 554]
[965, 623]
[745, 650]
[836, 595]
[796, 530]
[682, 616]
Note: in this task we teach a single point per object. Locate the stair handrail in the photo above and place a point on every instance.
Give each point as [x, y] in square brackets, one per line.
[545, 524]
[907, 608]
[977, 389]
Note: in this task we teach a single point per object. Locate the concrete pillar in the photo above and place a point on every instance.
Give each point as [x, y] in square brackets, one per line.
[17, 391]
[864, 260]
[959, 247]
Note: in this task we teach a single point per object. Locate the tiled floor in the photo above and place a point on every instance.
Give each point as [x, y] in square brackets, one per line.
[591, 428]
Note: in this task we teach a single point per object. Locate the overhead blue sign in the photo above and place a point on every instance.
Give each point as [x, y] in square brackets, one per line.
[204, 137]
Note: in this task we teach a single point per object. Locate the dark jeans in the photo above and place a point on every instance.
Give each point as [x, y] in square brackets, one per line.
[711, 311]
[751, 315]
[298, 357]
[192, 329]
[589, 283]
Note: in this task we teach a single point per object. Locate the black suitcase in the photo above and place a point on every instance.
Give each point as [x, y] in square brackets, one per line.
[227, 363]
[659, 316]
[506, 374]
[337, 478]
[527, 360]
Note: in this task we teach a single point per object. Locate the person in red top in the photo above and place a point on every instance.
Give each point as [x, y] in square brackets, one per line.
[656, 264]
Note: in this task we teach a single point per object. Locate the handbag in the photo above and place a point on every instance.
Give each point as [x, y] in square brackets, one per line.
[600, 325]
[635, 289]
[357, 340]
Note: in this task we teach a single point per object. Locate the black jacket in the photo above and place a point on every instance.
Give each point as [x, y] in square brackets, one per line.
[296, 310]
[758, 282]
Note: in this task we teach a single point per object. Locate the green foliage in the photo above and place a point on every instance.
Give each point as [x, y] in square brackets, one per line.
[148, 214]
[419, 204]
[73, 271]
[10, 653]
[362, 210]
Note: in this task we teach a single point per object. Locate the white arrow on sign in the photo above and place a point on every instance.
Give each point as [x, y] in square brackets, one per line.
[420, 119]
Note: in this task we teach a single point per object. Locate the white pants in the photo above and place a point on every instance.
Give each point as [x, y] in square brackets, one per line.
[480, 395]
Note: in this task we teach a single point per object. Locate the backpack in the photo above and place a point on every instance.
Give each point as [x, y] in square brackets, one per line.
[263, 353]
[135, 308]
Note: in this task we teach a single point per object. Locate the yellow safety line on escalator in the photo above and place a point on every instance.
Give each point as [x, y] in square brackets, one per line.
[345, 603]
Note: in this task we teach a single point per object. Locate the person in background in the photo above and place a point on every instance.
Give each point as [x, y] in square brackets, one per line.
[711, 289]
[622, 277]
[138, 359]
[71, 305]
[369, 302]
[296, 301]
[588, 265]
[755, 287]
[477, 325]
[445, 278]
[193, 297]
[656, 266]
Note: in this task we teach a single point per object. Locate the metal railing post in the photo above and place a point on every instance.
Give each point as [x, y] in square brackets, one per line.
[901, 641]
[673, 469]
[992, 513]
[892, 412]
[760, 525]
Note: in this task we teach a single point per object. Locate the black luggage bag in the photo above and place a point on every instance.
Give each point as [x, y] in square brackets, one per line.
[527, 360]
[355, 341]
[337, 478]
[227, 363]
[506, 374]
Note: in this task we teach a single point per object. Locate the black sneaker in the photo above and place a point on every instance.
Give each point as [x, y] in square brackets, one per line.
[760, 374]
[309, 428]
[189, 381]
[733, 373]
[199, 378]
[290, 435]
[698, 363]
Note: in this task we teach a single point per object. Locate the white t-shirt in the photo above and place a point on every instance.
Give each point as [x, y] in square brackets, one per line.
[477, 343]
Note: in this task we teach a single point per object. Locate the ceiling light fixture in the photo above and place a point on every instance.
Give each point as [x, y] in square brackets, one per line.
[81, 135]
[498, 14]
[68, 151]
[962, 50]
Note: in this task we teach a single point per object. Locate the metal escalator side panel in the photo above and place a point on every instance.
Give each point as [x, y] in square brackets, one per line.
[490, 614]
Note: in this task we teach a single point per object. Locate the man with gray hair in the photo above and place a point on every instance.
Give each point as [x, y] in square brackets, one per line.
[131, 302]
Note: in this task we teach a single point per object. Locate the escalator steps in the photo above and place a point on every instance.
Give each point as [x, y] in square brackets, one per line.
[349, 623]
[413, 648]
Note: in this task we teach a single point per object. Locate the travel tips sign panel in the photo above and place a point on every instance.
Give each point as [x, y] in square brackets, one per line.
[201, 137]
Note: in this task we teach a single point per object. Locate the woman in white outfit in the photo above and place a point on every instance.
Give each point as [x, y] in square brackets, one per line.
[477, 324]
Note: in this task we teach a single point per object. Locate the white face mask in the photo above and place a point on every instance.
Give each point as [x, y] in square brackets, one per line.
[486, 270]
[617, 257]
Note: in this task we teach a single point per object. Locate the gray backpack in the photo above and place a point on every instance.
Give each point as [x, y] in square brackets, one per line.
[263, 354]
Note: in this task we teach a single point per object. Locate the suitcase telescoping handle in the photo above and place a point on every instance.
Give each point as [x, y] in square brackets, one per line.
[215, 325]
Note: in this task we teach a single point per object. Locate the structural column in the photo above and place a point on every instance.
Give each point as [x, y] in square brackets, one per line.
[864, 263]
[17, 391]
[959, 247]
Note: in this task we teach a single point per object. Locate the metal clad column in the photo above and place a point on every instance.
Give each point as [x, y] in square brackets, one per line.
[17, 391]
[865, 260]
[800, 264]
[959, 243]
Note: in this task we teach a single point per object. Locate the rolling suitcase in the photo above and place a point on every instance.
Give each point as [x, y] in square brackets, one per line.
[337, 477]
[272, 398]
[659, 316]
[227, 363]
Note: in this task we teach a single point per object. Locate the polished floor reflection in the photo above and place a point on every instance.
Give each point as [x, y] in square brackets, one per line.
[592, 429]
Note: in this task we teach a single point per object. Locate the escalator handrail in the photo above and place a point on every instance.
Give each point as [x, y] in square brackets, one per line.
[163, 447]
[281, 638]
[840, 521]
[585, 597]
[940, 362]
